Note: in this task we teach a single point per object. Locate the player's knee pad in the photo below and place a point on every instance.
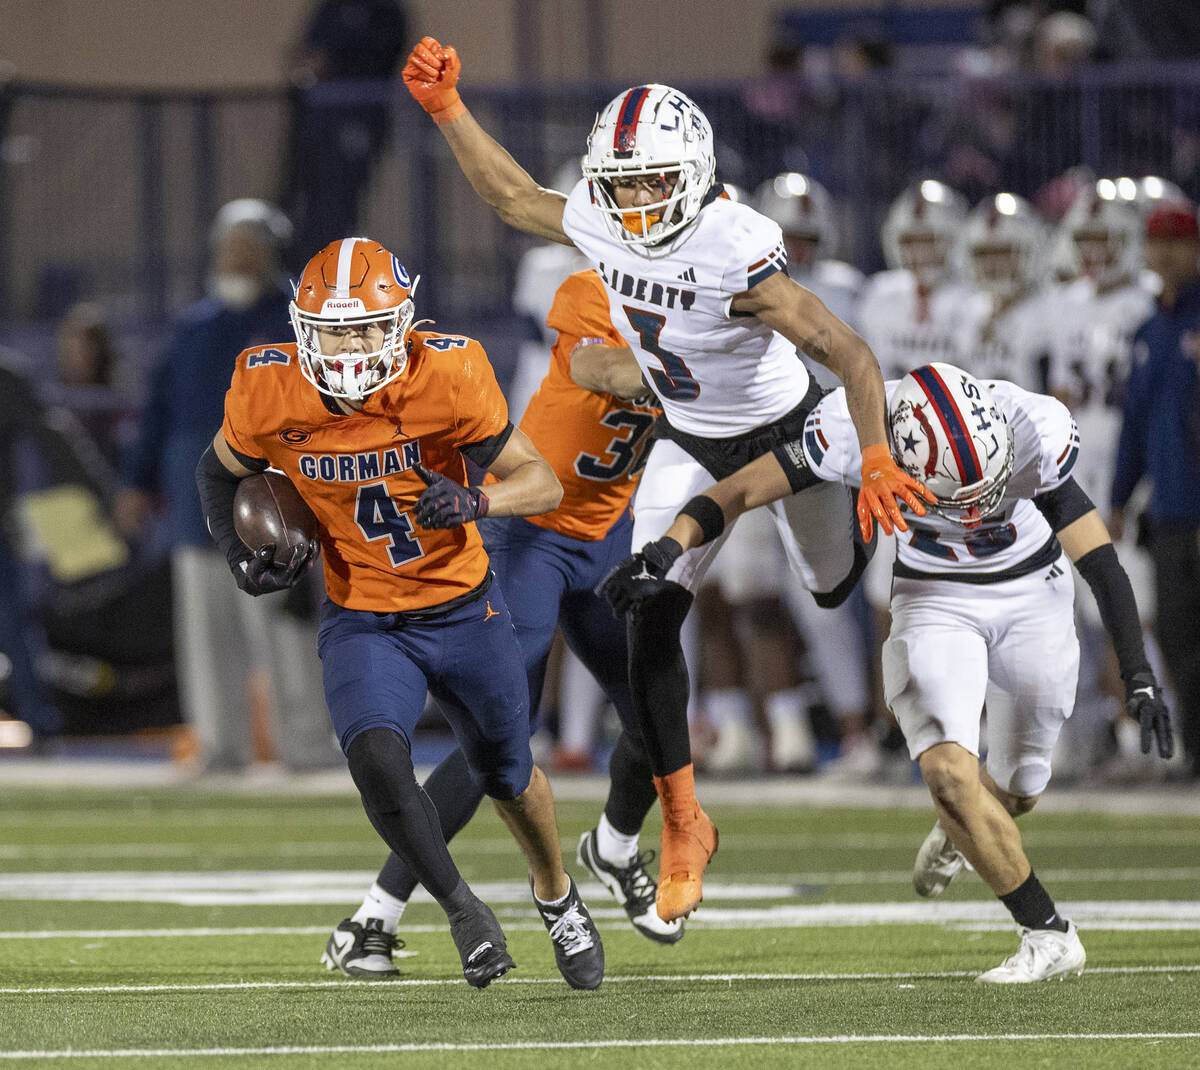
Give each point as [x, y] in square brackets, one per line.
[1025, 780]
[381, 766]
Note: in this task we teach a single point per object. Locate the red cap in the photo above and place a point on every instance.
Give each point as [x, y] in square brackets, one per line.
[1174, 220]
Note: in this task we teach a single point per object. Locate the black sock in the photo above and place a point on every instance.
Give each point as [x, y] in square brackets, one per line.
[631, 791]
[1031, 906]
[381, 765]
[456, 796]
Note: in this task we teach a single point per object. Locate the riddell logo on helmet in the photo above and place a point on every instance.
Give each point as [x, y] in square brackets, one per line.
[332, 305]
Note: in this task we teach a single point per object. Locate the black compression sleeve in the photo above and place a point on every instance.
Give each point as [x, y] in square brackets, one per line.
[794, 463]
[217, 486]
[1063, 505]
[707, 515]
[484, 452]
[1118, 607]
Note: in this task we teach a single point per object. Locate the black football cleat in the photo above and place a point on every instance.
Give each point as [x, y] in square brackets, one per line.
[362, 951]
[481, 944]
[633, 888]
[577, 946]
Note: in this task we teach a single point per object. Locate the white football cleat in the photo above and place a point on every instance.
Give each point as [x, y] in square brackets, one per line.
[363, 951]
[938, 863]
[1044, 954]
[633, 888]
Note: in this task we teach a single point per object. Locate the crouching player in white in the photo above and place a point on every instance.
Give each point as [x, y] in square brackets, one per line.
[982, 601]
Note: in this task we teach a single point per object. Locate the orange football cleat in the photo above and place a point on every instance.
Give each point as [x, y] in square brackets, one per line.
[689, 840]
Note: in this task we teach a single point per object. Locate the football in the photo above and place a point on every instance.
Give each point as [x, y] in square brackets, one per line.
[267, 508]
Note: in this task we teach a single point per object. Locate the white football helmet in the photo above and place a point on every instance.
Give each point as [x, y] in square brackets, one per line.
[647, 131]
[1105, 233]
[1004, 247]
[920, 230]
[948, 432]
[351, 284]
[804, 210]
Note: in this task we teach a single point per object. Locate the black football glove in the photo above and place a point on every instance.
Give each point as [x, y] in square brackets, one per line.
[1144, 703]
[639, 576]
[258, 574]
[446, 504]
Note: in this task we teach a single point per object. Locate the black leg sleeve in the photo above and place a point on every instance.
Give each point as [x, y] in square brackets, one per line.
[658, 678]
[381, 765]
[456, 797]
[630, 787]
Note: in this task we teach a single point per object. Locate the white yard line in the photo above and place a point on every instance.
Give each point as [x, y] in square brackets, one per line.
[512, 979]
[274, 887]
[985, 915]
[583, 1045]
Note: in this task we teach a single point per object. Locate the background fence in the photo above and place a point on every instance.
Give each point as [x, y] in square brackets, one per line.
[108, 196]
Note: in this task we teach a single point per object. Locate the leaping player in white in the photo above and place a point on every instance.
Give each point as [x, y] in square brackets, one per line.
[698, 284]
[982, 601]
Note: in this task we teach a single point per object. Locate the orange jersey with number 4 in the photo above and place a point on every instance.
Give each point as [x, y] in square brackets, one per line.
[355, 471]
[594, 442]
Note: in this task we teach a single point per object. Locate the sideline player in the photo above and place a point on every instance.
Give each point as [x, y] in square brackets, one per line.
[1004, 248]
[982, 601]
[915, 310]
[581, 421]
[369, 419]
[698, 282]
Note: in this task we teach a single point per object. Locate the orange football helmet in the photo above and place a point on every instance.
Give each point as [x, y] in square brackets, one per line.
[350, 285]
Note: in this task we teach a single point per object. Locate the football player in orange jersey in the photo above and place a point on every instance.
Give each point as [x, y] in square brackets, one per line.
[584, 421]
[372, 421]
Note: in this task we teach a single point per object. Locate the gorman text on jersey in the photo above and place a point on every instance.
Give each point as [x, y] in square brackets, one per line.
[357, 467]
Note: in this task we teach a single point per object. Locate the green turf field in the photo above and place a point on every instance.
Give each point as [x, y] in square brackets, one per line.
[170, 927]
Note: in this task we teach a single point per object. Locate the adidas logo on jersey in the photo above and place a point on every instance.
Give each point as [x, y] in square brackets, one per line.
[687, 276]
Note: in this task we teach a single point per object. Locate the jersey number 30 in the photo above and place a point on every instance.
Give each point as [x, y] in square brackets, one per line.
[377, 517]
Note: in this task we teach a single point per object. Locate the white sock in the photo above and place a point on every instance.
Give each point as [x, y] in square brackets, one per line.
[562, 901]
[615, 848]
[382, 905]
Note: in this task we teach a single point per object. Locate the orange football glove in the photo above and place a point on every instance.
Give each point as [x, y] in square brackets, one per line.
[431, 75]
[883, 481]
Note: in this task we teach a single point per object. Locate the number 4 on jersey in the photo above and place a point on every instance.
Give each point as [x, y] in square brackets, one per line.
[377, 517]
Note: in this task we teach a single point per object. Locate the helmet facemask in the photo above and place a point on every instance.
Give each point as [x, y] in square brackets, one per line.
[970, 506]
[349, 372]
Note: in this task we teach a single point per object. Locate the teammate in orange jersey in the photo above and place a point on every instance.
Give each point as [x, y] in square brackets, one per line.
[583, 420]
[372, 421]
